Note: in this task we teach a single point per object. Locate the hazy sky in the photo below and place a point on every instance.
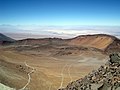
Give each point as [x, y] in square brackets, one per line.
[60, 12]
[59, 18]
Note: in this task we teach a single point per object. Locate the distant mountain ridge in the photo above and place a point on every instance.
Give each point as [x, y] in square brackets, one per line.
[102, 42]
[4, 39]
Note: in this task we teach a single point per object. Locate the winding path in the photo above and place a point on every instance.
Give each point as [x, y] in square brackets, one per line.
[50, 87]
[29, 77]
[69, 72]
[62, 76]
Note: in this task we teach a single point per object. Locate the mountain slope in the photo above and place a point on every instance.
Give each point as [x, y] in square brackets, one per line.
[107, 77]
[114, 46]
[43, 41]
[99, 41]
[4, 39]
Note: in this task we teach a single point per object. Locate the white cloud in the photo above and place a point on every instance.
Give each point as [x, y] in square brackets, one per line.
[75, 32]
[58, 31]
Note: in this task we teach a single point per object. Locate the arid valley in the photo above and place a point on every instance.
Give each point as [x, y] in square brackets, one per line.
[51, 63]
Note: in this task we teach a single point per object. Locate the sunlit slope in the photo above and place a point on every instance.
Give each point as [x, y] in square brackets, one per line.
[96, 41]
[12, 74]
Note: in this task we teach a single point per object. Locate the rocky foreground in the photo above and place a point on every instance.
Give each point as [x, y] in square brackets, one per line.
[107, 77]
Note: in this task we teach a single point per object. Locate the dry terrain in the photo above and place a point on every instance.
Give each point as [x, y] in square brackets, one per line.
[49, 64]
[51, 71]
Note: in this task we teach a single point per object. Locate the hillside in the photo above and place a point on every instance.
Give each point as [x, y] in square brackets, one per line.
[114, 46]
[97, 42]
[4, 39]
[102, 42]
[12, 73]
[107, 77]
[43, 41]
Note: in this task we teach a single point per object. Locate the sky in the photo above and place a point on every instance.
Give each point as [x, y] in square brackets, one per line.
[63, 17]
[60, 12]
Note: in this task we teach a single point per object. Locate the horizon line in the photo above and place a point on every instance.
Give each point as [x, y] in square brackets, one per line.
[55, 25]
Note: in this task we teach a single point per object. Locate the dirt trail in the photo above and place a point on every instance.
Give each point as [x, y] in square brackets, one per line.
[69, 72]
[62, 73]
[29, 77]
[50, 87]
[62, 76]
